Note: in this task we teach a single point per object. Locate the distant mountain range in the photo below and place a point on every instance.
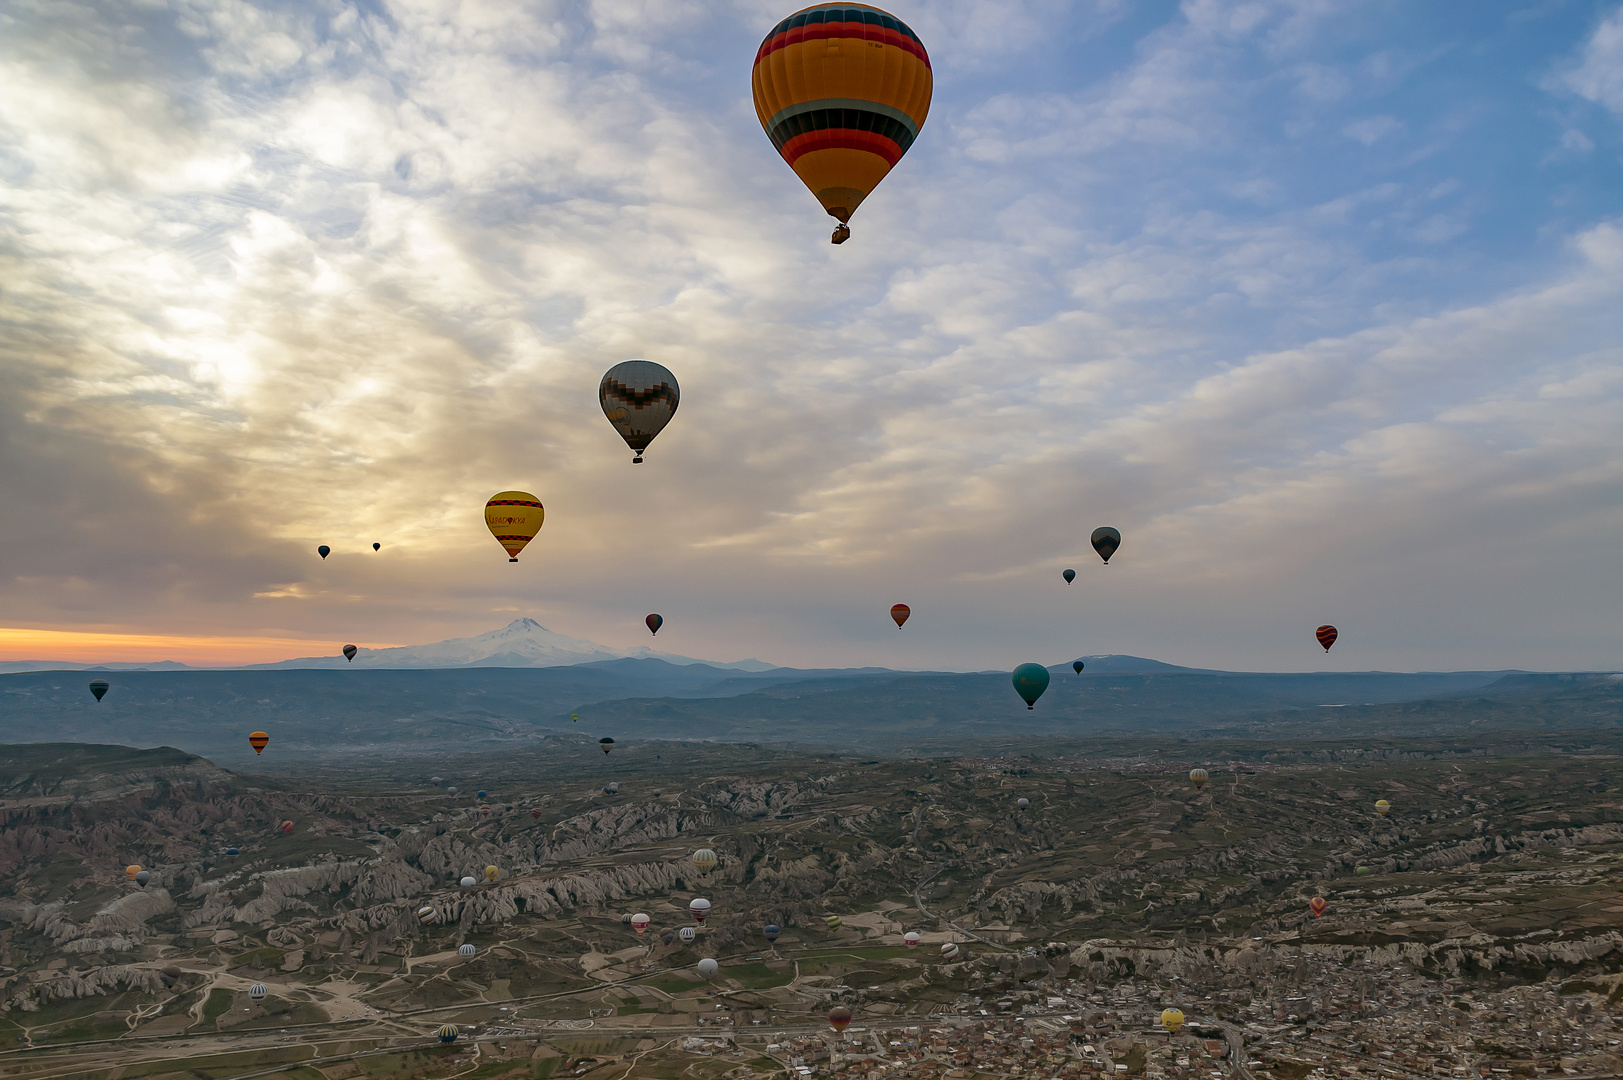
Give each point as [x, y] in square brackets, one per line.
[522, 643]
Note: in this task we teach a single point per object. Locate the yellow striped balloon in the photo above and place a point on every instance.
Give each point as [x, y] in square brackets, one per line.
[705, 860]
[834, 922]
[842, 91]
[514, 517]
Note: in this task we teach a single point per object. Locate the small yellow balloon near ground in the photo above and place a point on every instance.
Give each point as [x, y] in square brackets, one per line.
[514, 517]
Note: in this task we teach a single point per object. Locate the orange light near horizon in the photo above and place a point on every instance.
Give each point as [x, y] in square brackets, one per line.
[99, 647]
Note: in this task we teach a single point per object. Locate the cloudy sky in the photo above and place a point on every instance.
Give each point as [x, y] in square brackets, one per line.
[1320, 302]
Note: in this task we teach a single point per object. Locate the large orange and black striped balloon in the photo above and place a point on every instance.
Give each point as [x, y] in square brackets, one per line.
[842, 91]
[1326, 635]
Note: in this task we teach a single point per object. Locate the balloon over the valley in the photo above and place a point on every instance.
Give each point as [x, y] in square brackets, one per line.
[492, 873]
[376, 545]
[842, 91]
[654, 623]
[949, 951]
[513, 518]
[699, 907]
[131, 870]
[466, 952]
[911, 939]
[1198, 777]
[1327, 636]
[639, 923]
[708, 969]
[258, 740]
[143, 877]
[834, 922]
[287, 828]
[258, 992]
[639, 397]
[447, 1033]
[1077, 666]
[99, 688]
[1030, 680]
[1105, 541]
[349, 653]
[1172, 1019]
[839, 1018]
[1382, 807]
[605, 744]
[771, 932]
[704, 860]
[687, 934]
[1022, 803]
[1318, 906]
[899, 613]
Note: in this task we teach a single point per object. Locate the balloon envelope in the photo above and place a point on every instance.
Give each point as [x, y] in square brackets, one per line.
[1327, 636]
[1318, 905]
[1382, 807]
[654, 623]
[839, 1018]
[99, 688]
[323, 551]
[708, 968]
[131, 870]
[1069, 575]
[1105, 541]
[287, 827]
[258, 740]
[639, 397]
[447, 1033]
[900, 612]
[1172, 1019]
[466, 951]
[376, 545]
[639, 922]
[1198, 777]
[834, 922]
[513, 518]
[170, 975]
[772, 931]
[949, 951]
[1077, 666]
[1030, 680]
[687, 933]
[349, 652]
[468, 882]
[258, 991]
[911, 939]
[705, 860]
[842, 90]
[143, 877]
[492, 873]
[699, 907]
[1022, 803]
[606, 744]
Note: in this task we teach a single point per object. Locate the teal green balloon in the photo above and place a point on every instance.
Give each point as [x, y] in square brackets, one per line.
[1030, 680]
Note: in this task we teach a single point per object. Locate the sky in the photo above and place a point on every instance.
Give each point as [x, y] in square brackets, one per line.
[1319, 302]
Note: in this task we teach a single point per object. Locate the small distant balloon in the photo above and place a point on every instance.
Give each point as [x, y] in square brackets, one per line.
[349, 653]
[667, 937]
[287, 828]
[231, 853]
[772, 931]
[451, 790]
[480, 794]
[654, 623]
[699, 908]
[1077, 666]
[639, 923]
[536, 813]
[258, 992]
[1382, 807]
[614, 787]
[575, 716]
[170, 975]
[426, 915]
[1069, 575]
[323, 551]
[376, 545]
[708, 969]
[513, 518]
[1030, 680]
[839, 1018]
[484, 811]
[911, 939]
[258, 740]
[949, 951]
[466, 951]
[687, 934]
[1105, 541]
[900, 613]
[639, 397]
[1172, 1019]
[492, 873]
[605, 744]
[447, 1034]
[1198, 777]
[704, 860]
[834, 922]
[99, 688]
[468, 882]
[131, 870]
[143, 877]
[1022, 803]
[1318, 905]
[1327, 636]
[1362, 871]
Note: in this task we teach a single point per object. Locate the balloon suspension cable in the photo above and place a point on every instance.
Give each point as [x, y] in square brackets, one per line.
[842, 233]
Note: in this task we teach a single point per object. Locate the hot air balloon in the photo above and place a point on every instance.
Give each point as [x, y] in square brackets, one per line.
[614, 787]
[258, 740]
[1077, 666]
[575, 716]
[1105, 541]
[772, 931]
[536, 813]
[170, 975]
[654, 623]
[466, 951]
[451, 790]
[1327, 636]
[842, 91]
[480, 794]
[1022, 803]
[514, 517]
[900, 612]
[143, 877]
[484, 811]
[1172, 1020]
[699, 907]
[98, 687]
[834, 922]
[426, 915]
[639, 397]
[949, 951]
[447, 1034]
[131, 870]
[468, 882]
[1198, 777]
[704, 860]
[605, 744]
[258, 992]
[687, 934]
[667, 937]
[349, 653]
[323, 551]
[287, 828]
[1069, 575]
[839, 1018]
[231, 854]
[639, 923]
[708, 969]
[1318, 906]
[376, 545]
[911, 939]
[1362, 871]
[1030, 680]
[1382, 807]
[492, 873]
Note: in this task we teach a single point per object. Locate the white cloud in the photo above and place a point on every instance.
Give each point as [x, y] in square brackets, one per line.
[1598, 73]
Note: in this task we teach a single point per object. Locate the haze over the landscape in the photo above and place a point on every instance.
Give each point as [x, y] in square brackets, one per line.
[1319, 303]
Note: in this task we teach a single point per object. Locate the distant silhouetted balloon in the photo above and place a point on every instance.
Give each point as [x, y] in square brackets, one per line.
[231, 854]
[1077, 666]
[376, 545]
[900, 612]
[1105, 541]
[99, 688]
[667, 937]
[1030, 680]
[258, 740]
[639, 397]
[481, 793]
[170, 975]
[323, 551]
[349, 653]
[654, 623]
[1327, 636]
[513, 518]
[1069, 575]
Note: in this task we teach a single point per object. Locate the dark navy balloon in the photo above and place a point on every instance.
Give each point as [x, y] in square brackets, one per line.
[1069, 575]
[99, 688]
[1077, 666]
[323, 551]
